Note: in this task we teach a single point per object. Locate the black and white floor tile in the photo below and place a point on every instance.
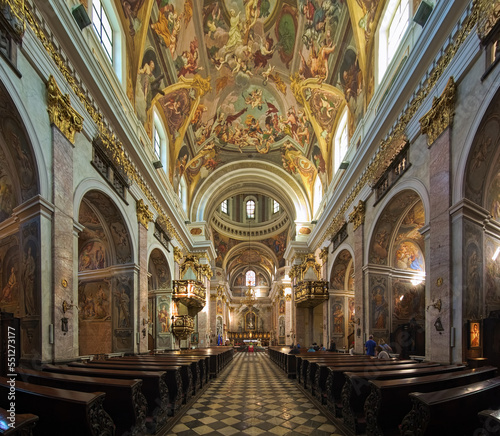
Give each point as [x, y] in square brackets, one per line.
[253, 397]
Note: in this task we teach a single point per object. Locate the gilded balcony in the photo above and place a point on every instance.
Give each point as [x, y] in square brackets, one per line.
[183, 326]
[311, 293]
[191, 293]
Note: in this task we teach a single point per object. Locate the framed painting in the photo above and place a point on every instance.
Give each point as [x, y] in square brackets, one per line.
[474, 336]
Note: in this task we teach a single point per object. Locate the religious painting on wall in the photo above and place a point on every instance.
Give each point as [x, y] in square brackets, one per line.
[219, 307]
[474, 334]
[163, 305]
[250, 321]
[281, 332]
[338, 316]
[379, 304]
[94, 301]
[282, 306]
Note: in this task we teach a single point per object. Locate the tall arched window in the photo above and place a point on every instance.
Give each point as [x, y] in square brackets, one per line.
[183, 193]
[395, 20]
[250, 278]
[318, 194]
[341, 141]
[108, 31]
[160, 141]
[250, 206]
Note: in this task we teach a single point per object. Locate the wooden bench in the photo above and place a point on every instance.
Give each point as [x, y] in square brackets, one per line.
[22, 425]
[453, 411]
[336, 379]
[61, 411]
[124, 400]
[389, 401]
[154, 388]
[357, 388]
[185, 371]
[491, 422]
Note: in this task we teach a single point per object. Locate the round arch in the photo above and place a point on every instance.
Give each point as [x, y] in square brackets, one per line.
[88, 185]
[411, 184]
[262, 178]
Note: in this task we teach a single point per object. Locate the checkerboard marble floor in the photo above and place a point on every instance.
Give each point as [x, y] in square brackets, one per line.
[253, 397]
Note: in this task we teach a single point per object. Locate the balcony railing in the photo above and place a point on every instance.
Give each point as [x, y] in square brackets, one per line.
[311, 293]
[191, 293]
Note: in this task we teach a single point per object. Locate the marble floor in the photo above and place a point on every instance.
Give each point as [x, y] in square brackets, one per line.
[253, 397]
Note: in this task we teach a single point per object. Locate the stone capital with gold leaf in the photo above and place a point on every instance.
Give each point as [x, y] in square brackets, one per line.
[61, 113]
[144, 215]
[357, 216]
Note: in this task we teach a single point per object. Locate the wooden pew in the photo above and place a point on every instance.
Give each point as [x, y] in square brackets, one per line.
[336, 379]
[389, 400]
[61, 411]
[357, 388]
[185, 371]
[491, 422]
[154, 388]
[22, 426]
[197, 365]
[451, 411]
[124, 400]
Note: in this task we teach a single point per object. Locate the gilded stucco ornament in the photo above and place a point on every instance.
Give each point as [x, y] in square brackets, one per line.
[178, 254]
[144, 215]
[13, 14]
[323, 255]
[206, 270]
[61, 114]
[440, 117]
[357, 216]
[489, 14]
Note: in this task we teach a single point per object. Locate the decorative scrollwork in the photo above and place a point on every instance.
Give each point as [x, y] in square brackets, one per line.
[372, 410]
[100, 422]
[357, 216]
[141, 409]
[144, 215]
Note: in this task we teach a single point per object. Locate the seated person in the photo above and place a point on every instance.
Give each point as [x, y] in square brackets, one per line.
[385, 346]
[380, 353]
[294, 350]
[311, 349]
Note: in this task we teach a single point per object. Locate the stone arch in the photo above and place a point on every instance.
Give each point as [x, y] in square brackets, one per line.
[105, 276]
[341, 273]
[396, 270]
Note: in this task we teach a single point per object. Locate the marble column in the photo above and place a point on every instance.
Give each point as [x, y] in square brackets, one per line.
[436, 125]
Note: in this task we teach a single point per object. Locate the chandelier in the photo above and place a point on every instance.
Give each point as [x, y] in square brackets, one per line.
[250, 298]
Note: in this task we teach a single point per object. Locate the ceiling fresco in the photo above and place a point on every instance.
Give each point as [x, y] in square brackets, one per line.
[239, 79]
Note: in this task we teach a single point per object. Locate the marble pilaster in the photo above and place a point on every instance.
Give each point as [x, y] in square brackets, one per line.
[439, 271]
[362, 309]
[142, 294]
[65, 296]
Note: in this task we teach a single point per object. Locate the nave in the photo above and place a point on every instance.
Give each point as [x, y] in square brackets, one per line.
[253, 397]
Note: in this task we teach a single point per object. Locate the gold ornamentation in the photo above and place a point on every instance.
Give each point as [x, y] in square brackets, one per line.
[191, 260]
[178, 254]
[61, 114]
[323, 255]
[357, 216]
[206, 270]
[440, 117]
[191, 293]
[288, 297]
[64, 283]
[213, 297]
[390, 149]
[488, 16]
[311, 293]
[13, 13]
[439, 282]
[144, 215]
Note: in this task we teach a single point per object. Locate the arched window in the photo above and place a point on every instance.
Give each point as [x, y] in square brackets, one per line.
[160, 141]
[318, 194]
[250, 278]
[183, 193]
[223, 206]
[107, 29]
[250, 205]
[341, 141]
[276, 206]
[396, 18]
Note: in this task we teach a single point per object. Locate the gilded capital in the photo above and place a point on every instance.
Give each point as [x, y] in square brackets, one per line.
[13, 13]
[206, 270]
[488, 12]
[357, 216]
[61, 114]
[177, 254]
[144, 215]
[323, 255]
[440, 117]
[288, 297]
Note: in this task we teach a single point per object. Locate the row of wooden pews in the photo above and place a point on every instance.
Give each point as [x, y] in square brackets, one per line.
[393, 397]
[130, 395]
